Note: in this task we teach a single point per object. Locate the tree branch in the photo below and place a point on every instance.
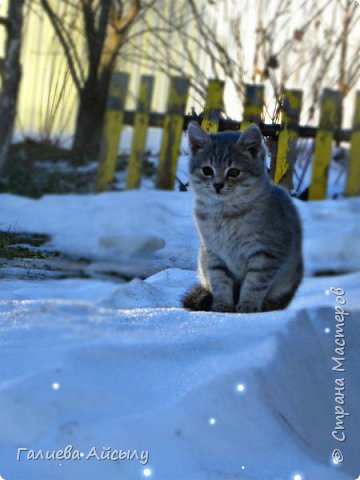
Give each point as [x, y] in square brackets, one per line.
[121, 23]
[65, 43]
[5, 22]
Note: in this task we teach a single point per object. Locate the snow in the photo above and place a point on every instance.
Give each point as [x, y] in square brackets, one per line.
[141, 234]
[100, 363]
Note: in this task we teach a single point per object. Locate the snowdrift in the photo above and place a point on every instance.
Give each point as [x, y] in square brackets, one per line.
[138, 235]
[89, 363]
[207, 395]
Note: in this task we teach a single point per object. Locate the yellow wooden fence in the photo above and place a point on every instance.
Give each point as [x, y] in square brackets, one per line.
[174, 121]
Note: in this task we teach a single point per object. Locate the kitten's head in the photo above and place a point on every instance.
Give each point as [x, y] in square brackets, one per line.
[219, 170]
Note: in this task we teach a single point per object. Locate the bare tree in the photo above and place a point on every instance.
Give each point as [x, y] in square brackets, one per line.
[347, 72]
[105, 25]
[181, 37]
[335, 56]
[11, 75]
[294, 44]
[274, 58]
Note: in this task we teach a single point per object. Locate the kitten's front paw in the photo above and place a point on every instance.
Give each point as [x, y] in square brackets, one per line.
[247, 308]
[222, 307]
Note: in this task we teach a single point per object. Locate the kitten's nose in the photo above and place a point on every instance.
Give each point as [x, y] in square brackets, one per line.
[218, 187]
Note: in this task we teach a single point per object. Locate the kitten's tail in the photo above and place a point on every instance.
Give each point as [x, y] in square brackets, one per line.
[198, 299]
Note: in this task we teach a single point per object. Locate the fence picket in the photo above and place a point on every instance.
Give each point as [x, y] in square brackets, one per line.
[112, 130]
[253, 105]
[323, 144]
[172, 132]
[353, 172]
[284, 137]
[213, 106]
[286, 149]
[141, 123]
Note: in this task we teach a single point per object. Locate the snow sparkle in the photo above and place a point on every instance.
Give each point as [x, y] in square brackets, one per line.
[297, 476]
[240, 387]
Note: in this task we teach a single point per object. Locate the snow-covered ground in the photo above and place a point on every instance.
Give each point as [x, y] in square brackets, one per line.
[141, 233]
[120, 366]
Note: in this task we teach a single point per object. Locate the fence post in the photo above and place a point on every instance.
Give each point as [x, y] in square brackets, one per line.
[323, 144]
[286, 149]
[253, 105]
[172, 132]
[353, 173]
[213, 106]
[141, 123]
[113, 124]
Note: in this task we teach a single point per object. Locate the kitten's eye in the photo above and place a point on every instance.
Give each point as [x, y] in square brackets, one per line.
[233, 172]
[208, 171]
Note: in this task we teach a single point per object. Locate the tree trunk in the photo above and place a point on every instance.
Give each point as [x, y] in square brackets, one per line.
[343, 84]
[94, 94]
[11, 77]
[90, 117]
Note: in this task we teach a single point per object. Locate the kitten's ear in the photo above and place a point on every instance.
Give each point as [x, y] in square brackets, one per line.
[197, 137]
[251, 140]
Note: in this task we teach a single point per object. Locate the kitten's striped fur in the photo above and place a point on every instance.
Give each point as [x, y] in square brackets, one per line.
[250, 257]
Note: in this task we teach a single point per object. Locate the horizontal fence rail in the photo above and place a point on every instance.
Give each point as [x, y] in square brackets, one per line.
[156, 120]
[174, 122]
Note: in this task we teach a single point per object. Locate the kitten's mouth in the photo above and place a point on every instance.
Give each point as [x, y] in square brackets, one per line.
[219, 195]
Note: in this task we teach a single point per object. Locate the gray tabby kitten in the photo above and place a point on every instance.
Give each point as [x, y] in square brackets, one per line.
[250, 256]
